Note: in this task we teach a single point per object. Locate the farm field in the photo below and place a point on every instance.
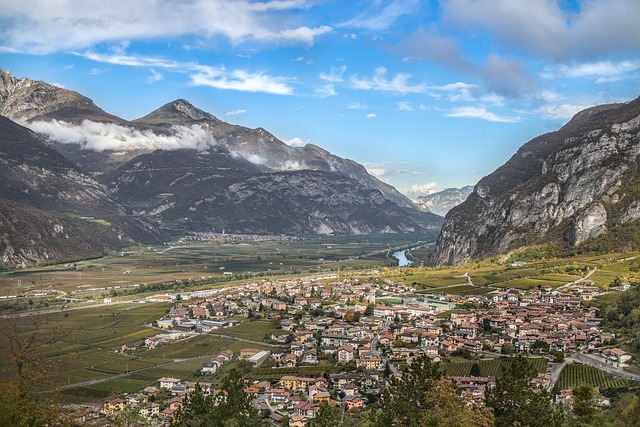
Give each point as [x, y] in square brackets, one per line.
[574, 375]
[489, 367]
[201, 260]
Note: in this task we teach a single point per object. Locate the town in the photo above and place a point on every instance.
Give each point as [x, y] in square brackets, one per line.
[340, 341]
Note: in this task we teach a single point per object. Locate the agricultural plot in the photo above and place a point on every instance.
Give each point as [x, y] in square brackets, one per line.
[460, 290]
[574, 375]
[198, 259]
[489, 367]
[255, 330]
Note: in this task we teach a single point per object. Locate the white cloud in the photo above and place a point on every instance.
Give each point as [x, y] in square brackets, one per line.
[241, 80]
[372, 116]
[562, 111]
[381, 15]
[399, 83]
[388, 169]
[404, 106]
[335, 76]
[419, 189]
[296, 142]
[481, 113]
[304, 34]
[376, 170]
[203, 75]
[97, 71]
[291, 165]
[303, 59]
[326, 91]
[357, 106]
[154, 77]
[109, 136]
[592, 69]
[43, 26]
[611, 79]
[56, 84]
[236, 112]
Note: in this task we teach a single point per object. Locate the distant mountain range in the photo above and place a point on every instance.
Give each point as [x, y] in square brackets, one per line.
[578, 187]
[176, 170]
[443, 201]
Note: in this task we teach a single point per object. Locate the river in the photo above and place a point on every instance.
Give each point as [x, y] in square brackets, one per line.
[403, 261]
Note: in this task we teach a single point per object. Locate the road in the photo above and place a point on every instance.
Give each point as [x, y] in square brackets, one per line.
[556, 369]
[578, 281]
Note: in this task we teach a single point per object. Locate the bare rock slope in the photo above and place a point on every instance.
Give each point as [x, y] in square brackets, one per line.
[569, 187]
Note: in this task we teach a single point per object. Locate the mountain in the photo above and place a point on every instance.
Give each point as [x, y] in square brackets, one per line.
[575, 187]
[51, 210]
[52, 110]
[188, 170]
[443, 201]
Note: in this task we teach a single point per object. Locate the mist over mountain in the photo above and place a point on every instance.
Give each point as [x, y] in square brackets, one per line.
[577, 186]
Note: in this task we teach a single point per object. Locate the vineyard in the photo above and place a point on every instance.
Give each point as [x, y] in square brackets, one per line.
[489, 368]
[574, 375]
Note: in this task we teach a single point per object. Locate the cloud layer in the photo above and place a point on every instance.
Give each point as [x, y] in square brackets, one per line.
[108, 136]
[43, 26]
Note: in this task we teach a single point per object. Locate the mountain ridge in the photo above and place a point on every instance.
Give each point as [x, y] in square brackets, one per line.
[567, 187]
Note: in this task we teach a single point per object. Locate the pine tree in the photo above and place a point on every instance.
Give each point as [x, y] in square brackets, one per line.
[583, 403]
[516, 402]
[422, 397]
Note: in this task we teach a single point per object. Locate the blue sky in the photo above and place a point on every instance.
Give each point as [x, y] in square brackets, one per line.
[426, 94]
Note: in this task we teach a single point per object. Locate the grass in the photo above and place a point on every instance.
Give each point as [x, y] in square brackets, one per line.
[251, 330]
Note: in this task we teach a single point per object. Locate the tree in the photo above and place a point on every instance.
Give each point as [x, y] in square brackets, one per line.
[475, 370]
[234, 410]
[540, 347]
[423, 398]
[516, 402]
[21, 341]
[325, 417]
[448, 409]
[583, 403]
[508, 348]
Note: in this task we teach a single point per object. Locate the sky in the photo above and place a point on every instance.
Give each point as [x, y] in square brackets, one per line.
[426, 94]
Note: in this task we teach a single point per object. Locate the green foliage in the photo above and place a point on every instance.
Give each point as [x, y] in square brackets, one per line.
[423, 398]
[515, 400]
[583, 403]
[233, 408]
[325, 417]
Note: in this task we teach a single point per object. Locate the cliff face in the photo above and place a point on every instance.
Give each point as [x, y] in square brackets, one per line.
[572, 185]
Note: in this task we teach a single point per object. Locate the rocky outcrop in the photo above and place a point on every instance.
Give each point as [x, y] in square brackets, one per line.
[566, 186]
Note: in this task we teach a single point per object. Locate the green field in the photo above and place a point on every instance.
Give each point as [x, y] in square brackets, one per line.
[490, 367]
[201, 260]
[574, 375]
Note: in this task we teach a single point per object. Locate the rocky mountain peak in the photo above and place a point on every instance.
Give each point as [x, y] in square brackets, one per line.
[179, 111]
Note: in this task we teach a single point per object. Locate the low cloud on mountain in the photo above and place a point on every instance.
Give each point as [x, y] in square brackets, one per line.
[108, 136]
